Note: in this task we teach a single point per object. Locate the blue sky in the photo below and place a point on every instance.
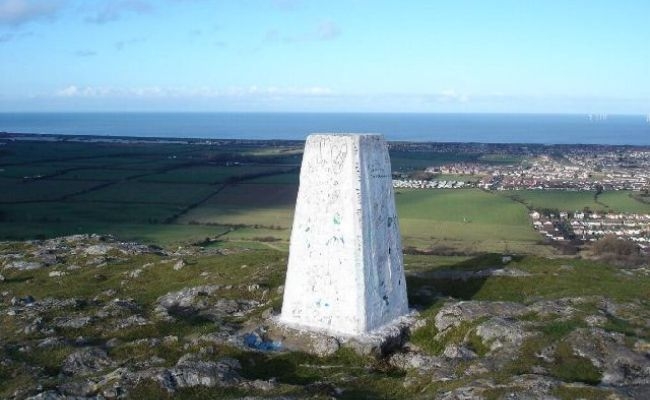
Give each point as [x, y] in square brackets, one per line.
[356, 55]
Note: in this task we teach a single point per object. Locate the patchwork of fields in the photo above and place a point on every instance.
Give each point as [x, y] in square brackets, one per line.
[242, 193]
[146, 191]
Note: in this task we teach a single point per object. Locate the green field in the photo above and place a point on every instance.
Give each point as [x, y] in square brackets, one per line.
[103, 174]
[14, 191]
[623, 201]
[211, 174]
[262, 205]
[614, 201]
[149, 192]
[466, 219]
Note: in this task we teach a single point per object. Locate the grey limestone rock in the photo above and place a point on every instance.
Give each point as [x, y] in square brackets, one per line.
[459, 352]
[414, 360]
[51, 342]
[22, 265]
[133, 320]
[498, 332]
[86, 361]
[190, 371]
[82, 388]
[201, 299]
[54, 395]
[98, 249]
[453, 314]
[179, 265]
[607, 352]
[74, 322]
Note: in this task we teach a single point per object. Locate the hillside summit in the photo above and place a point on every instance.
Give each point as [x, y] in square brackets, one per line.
[91, 317]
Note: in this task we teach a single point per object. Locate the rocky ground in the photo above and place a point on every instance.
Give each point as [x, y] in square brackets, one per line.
[90, 317]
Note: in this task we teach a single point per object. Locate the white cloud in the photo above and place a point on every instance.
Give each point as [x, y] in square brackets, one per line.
[268, 92]
[17, 12]
[451, 95]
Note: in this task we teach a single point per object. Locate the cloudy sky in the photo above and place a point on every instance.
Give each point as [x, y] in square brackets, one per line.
[308, 55]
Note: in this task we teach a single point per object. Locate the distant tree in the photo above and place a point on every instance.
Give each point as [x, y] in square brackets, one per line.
[612, 245]
[599, 190]
[618, 252]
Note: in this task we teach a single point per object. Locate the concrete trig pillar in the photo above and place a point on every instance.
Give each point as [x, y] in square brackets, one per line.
[345, 274]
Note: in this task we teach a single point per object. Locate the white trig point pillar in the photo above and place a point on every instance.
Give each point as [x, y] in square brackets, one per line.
[345, 274]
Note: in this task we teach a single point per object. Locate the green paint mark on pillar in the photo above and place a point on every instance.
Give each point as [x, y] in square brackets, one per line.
[336, 219]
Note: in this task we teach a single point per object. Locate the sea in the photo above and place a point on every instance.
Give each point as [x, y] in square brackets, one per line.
[480, 128]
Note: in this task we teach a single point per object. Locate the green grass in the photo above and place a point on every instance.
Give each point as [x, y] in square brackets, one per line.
[481, 220]
[547, 280]
[558, 329]
[572, 368]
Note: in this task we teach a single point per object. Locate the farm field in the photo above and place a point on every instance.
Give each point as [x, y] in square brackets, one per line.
[469, 220]
[142, 191]
[263, 205]
[243, 194]
[612, 201]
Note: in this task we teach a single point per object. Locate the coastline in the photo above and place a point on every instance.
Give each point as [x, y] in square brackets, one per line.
[456, 128]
